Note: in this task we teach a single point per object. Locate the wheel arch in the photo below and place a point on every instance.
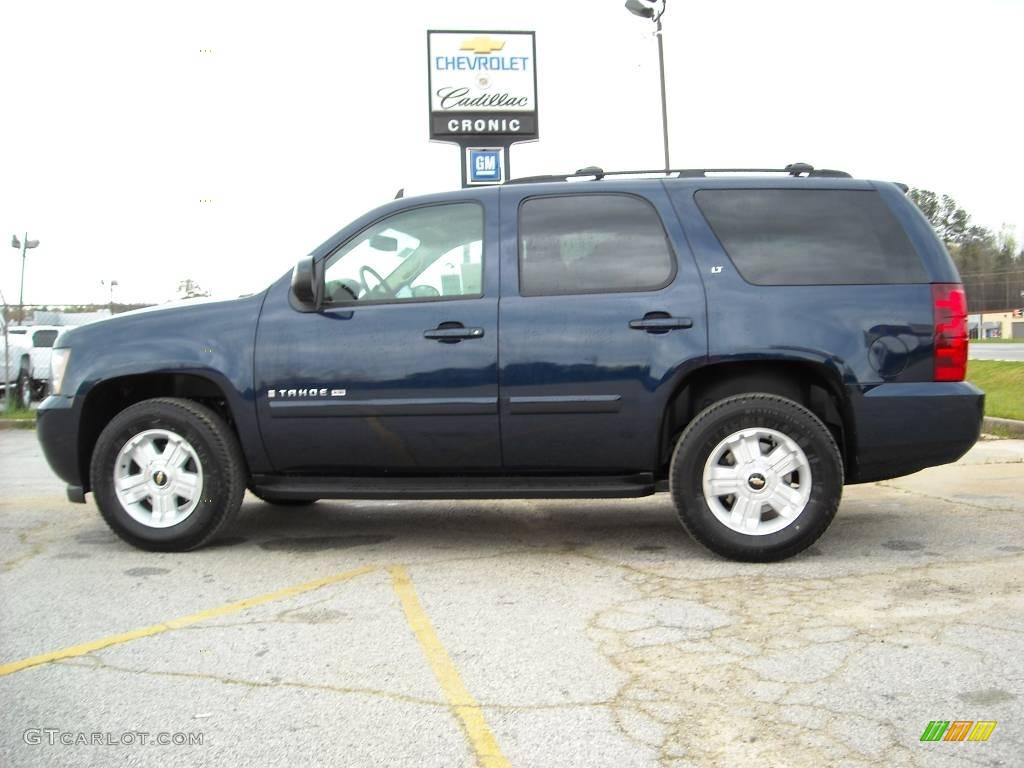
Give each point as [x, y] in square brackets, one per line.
[812, 384]
[109, 397]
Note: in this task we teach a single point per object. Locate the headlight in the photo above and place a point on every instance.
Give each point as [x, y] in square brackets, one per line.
[58, 364]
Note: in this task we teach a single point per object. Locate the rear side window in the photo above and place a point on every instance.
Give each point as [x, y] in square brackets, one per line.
[591, 243]
[811, 237]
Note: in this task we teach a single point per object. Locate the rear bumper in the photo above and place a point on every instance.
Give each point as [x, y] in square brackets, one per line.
[902, 428]
[57, 429]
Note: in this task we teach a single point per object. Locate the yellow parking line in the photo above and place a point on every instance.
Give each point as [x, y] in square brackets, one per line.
[459, 698]
[195, 618]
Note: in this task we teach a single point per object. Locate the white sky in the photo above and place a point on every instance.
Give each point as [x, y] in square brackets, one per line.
[113, 125]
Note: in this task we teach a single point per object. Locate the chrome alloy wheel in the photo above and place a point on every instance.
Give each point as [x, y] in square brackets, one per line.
[158, 478]
[757, 481]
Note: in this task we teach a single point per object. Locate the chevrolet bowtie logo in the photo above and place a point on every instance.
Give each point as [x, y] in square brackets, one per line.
[483, 45]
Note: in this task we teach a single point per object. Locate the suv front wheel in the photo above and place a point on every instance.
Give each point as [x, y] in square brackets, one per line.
[168, 474]
[756, 477]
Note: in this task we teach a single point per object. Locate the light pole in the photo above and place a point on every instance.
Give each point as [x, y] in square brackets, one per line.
[654, 10]
[112, 284]
[25, 245]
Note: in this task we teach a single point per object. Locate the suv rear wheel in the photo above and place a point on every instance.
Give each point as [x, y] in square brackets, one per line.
[167, 474]
[756, 477]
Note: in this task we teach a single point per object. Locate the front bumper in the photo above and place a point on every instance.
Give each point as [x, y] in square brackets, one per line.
[903, 428]
[57, 428]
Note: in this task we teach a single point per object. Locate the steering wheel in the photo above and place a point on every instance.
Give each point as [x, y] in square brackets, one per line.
[381, 282]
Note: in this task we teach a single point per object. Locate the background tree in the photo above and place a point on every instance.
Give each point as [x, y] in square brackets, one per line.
[1007, 249]
[976, 251]
[947, 218]
[991, 268]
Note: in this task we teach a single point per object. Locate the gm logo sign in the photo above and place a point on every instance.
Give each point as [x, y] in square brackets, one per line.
[485, 165]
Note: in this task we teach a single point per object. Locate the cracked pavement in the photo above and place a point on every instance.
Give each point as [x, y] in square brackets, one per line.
[590, 633]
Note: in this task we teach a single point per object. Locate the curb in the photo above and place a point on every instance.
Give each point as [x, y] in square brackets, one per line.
[1003, 427]
[17, 424]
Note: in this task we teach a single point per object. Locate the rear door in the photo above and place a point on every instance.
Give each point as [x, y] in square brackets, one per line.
[601, 315]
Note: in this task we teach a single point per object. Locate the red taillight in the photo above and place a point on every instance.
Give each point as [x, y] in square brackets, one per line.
[949, 303]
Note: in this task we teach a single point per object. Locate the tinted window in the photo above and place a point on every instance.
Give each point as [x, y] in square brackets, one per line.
[806, 237]
[422, 253]
[44, 338]
[589, 243]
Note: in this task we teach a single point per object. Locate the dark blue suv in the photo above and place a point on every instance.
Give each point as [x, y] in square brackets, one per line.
[748, 342]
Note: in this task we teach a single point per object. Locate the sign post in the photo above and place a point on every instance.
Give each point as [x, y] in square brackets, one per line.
[483, 97]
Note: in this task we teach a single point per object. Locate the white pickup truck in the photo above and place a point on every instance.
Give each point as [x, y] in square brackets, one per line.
[16, 367]
[40, 339]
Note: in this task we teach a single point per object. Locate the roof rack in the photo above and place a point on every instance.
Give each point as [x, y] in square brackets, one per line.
[793, 169]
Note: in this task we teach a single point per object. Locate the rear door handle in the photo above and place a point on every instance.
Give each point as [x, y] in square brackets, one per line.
[452, 333]
[660, 322]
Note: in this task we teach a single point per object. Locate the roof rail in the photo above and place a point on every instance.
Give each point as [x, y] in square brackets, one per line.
[793, 169]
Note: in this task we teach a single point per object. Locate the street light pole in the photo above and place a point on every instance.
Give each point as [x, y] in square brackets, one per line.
[24, 245]
[648, 9]
[21, 288]
[661, 72]
[111, 286]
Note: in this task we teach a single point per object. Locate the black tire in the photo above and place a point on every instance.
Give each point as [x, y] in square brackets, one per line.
[756, 411]
[277, 502]
[23, 390]
[223, 469]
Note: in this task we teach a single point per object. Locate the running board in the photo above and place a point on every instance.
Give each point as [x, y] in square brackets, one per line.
[471, 487]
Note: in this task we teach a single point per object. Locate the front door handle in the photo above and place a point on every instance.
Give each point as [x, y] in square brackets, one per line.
[660, 322]
[453, 333]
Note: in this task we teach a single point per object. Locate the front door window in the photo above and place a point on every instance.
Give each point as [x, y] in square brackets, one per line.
[434, 252]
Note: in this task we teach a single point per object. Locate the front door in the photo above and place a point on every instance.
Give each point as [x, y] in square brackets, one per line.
[602, 315]
[397, 372]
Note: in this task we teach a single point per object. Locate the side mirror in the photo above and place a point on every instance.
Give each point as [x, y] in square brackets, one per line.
[307, 284]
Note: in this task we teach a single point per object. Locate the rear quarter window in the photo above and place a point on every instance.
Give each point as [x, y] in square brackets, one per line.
[811, 237]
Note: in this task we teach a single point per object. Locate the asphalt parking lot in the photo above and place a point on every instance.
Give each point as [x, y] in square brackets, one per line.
[516, 633]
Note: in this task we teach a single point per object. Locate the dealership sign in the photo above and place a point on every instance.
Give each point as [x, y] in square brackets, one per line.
[485, 165]
[482, 84]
